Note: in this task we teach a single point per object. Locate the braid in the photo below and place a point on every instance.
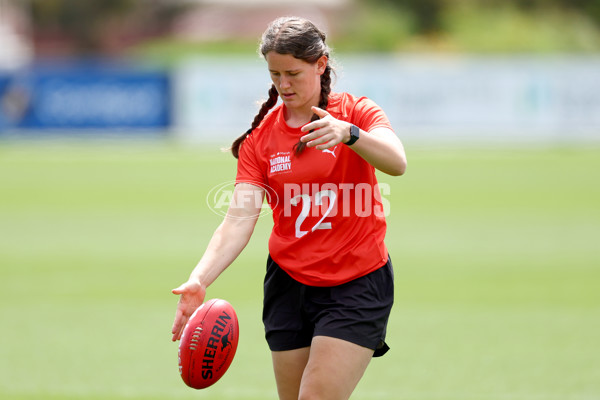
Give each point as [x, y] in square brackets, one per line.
[323, 103]
[264, 109]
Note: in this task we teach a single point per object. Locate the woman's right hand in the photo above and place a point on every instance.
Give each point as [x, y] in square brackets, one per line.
[192, 297]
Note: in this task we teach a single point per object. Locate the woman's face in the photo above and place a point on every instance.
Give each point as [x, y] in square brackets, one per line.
[297, 81]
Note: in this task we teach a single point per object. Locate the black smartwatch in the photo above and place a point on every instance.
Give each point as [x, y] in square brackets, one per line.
[354, 135]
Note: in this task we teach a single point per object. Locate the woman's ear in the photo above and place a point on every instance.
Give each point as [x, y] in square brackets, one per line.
[322, 64]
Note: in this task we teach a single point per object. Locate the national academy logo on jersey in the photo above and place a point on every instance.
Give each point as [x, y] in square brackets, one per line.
[281, 162]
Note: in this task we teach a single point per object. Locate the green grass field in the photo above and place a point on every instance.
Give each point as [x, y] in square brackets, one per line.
[496, 255]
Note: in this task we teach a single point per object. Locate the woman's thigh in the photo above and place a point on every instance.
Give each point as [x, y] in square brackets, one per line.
[289, 367]
[334, 368]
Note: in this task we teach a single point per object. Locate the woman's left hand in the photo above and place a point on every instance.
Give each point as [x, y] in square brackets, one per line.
[328, 131]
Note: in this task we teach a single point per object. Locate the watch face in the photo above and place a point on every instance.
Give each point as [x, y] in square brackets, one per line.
[354, 134]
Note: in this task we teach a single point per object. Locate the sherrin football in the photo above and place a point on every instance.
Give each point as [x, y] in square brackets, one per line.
[208, 344]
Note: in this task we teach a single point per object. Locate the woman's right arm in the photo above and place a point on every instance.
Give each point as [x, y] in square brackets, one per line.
[226, 244]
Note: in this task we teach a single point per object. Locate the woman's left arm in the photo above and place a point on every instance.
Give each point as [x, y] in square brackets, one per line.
[380, 147]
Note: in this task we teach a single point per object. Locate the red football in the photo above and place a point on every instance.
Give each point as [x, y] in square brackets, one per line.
[208, 344]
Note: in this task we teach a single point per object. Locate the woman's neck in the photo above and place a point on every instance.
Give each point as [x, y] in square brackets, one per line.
[295, 118]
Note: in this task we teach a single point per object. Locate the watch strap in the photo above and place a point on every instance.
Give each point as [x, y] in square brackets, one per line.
[354, 135]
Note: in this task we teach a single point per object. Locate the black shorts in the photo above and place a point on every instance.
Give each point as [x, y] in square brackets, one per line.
[357, 311]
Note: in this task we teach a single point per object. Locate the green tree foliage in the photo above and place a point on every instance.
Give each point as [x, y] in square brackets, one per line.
[80, 20]
[428, 14]
[87, 23]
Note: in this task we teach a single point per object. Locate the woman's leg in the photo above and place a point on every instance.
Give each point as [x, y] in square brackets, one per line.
[334, 369]
[289, 367]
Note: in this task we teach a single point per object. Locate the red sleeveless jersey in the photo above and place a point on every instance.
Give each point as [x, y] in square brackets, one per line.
[329, 223]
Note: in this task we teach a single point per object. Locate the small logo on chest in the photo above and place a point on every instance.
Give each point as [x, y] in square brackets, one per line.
[281, 162]
[331, 151]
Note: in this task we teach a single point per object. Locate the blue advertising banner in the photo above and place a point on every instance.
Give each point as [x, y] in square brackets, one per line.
[83, 95]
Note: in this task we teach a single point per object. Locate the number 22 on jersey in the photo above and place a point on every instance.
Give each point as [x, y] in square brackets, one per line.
[307, 206]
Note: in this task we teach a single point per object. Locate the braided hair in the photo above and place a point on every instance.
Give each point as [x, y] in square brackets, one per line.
[303, 40]
[264, 109]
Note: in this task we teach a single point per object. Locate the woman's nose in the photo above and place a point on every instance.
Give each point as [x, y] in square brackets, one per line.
[284, 83]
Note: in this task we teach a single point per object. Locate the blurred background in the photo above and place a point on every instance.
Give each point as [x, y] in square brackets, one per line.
[113, 117]
[443, 70]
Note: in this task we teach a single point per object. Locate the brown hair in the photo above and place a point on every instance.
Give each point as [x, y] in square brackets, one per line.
[303, 40]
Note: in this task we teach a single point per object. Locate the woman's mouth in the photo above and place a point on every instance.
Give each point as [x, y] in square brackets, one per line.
[287, 96]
